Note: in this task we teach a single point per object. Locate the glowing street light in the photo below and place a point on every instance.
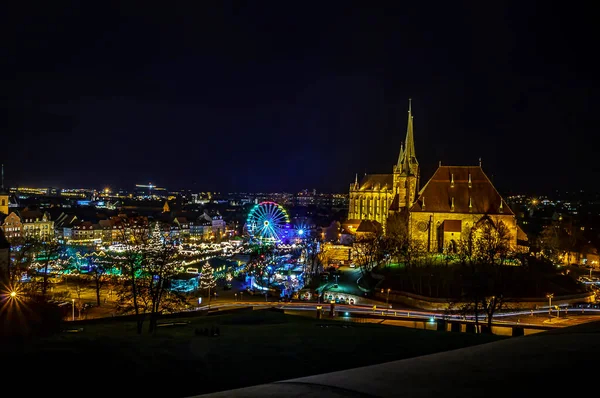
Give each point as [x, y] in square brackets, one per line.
[549, 296]
[13, 294]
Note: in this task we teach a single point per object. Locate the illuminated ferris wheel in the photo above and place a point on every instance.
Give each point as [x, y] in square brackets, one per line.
[267, 222]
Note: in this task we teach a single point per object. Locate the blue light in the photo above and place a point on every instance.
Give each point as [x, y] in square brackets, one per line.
[432, 319]
[347, 314]
[300, 232]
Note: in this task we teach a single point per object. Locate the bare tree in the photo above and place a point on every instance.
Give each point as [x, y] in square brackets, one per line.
[98, 268]
[315, 257]
[367, 251]
[160, 267]
[47, 252]
[482, 257]
[491, 305]
[134, 236]
[22, 258]
[491, 241]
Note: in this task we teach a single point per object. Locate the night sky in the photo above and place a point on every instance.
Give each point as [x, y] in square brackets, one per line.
[266, 96]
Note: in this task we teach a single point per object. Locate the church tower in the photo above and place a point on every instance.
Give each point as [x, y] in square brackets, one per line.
[3, 196]
[406, 170]
[375, 196]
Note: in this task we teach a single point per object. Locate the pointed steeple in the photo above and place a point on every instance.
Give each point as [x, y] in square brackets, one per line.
[400, 157]
[409, 161]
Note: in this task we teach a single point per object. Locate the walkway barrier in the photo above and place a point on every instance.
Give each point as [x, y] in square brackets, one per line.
[441, 325]
[518, 331]
[455, 327]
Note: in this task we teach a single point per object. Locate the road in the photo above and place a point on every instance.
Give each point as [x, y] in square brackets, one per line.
[515, 318]
[346, 282]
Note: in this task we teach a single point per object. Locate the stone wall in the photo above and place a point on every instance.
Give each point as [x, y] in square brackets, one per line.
[441, 304]
[425, 226]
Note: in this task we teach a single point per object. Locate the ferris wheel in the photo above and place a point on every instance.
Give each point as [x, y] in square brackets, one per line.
[267, 222]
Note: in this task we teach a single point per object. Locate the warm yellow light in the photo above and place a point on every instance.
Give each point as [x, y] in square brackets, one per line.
[13, 294]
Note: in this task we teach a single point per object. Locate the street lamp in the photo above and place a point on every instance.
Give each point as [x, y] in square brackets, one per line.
[13, 294]
[73, 308]
[549, 296]
[387, 297]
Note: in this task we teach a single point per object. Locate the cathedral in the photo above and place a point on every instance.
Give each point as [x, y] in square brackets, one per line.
[453, 203]
[378, 195]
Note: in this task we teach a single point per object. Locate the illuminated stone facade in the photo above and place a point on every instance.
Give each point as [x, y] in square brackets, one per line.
[378, 195]
[455, 201]
[448, 209]
[3, 202]
[12, 227]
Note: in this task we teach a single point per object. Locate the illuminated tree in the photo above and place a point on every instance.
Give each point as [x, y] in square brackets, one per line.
[207, 278]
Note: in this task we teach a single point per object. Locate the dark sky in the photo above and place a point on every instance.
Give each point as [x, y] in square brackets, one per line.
[272, 96]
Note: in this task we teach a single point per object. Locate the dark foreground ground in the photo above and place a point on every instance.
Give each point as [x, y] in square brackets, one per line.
[252, 348]
[516, 367]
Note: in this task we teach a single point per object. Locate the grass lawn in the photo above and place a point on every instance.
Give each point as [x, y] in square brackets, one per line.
[253, 348]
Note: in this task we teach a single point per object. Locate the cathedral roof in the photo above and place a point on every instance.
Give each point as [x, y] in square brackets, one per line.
[395, 206]
[467, 187]
[376, 181]
[370, 226]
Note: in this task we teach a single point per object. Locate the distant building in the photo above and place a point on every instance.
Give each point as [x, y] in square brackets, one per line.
[4, 201]
[12, 227]
[201, 228]
[37, 224]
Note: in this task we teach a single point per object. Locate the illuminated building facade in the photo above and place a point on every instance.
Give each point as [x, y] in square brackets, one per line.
[12, 227]
[37, 224]
[376, 196]
[452, 206]
[4, 196]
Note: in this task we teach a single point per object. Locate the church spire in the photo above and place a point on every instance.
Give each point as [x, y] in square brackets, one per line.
[400, 157]
[409, 161]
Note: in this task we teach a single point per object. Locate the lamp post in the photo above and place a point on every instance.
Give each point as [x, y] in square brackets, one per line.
[387, 297]
[549, 296]
[73, 309]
